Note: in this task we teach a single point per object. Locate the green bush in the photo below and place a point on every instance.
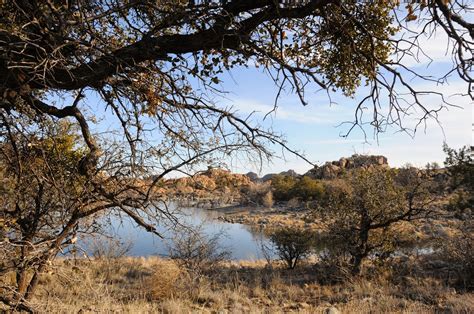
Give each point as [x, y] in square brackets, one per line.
[292, 245]
[308, 189]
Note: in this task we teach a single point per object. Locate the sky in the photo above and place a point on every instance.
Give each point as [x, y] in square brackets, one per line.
[315, 129]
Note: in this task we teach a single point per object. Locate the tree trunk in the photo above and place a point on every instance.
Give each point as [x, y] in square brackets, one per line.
[22, 283]
[356, 262]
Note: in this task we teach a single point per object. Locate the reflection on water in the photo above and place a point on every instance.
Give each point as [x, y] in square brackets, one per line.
[241, 240]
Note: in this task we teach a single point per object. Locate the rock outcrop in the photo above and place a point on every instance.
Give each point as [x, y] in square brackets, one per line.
[331, 170]
[253, 176]
[288, 173]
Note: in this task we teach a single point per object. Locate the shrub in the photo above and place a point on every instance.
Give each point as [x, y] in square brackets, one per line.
[164, 283]
[308, 189]
[286, 188]
[458, 254]
[268, 199]
[283, 187]
[106, 248]
[460, 167]
[257, 194]
[292, 245]
[196, 251]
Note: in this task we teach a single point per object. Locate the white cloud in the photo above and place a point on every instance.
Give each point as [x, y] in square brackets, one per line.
[297, 113]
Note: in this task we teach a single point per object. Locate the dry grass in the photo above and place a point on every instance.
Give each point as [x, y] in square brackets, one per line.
[146, 285]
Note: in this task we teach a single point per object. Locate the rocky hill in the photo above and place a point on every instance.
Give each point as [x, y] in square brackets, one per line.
[335, 168]
[219, 185]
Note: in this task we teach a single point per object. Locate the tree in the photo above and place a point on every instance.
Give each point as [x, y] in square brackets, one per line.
[46, 202]
[292, 244]
[155, 66]
[366, 210]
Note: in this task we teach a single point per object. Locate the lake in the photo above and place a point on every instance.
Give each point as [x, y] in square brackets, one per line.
[242, 242]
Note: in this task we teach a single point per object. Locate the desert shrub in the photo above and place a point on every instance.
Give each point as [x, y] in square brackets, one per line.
[293, 203]
[460, 168]
[257, 194]
[458, 254]
[334, 264]
[197, 252]
[268, 199]
[164, 282]
[283, 187]
[308, 189]
[292, 245]
[105, 248]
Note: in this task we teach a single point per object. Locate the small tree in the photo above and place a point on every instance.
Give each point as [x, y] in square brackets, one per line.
[292, 245]
[366, 209]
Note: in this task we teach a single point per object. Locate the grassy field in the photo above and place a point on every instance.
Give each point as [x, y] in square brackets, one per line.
[144, 285]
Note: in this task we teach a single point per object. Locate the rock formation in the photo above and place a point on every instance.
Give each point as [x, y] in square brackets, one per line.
[333, 169]
[288, 173]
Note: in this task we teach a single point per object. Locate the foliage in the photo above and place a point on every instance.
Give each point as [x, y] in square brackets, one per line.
[102, 247]
[47, 200]
[42, 193]
[292, 244]
[308, 189]
[257, 194]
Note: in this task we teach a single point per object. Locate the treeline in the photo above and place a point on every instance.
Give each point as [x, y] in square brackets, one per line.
[282, 188]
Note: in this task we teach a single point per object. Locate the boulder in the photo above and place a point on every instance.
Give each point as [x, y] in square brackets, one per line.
[343, 162]
[330, 171]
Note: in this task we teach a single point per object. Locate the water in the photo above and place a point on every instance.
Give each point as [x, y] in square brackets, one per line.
[240, 240]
